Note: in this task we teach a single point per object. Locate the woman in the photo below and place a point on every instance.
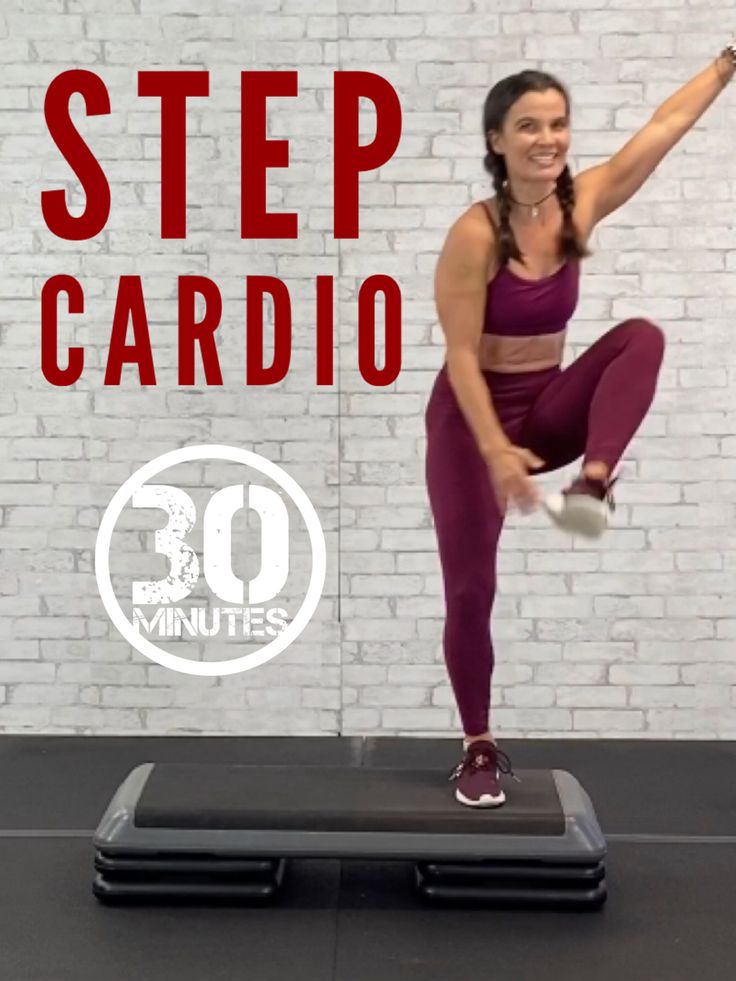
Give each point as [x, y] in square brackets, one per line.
[506, 285]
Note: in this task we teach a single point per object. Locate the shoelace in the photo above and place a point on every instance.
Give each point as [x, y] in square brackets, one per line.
[481, 759]
[609, 494]
[583, 482]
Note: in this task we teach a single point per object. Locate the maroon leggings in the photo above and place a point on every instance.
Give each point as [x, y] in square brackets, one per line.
[591, 408]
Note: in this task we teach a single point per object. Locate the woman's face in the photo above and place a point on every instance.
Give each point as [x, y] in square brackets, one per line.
[535, 125]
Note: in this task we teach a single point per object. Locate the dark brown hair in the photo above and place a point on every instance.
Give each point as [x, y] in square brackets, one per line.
[498, 102]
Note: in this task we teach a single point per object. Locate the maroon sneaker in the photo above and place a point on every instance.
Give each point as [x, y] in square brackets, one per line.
[478, 775]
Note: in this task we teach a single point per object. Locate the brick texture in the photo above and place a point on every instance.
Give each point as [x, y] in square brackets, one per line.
[630, 636]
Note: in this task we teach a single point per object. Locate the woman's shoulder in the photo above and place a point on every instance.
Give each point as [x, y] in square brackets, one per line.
[470, 242]
[476, 223]
[482, 216]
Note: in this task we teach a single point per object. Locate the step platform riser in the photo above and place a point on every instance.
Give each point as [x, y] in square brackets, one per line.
[157, 842]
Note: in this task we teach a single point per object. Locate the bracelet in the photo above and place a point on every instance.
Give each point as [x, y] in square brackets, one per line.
[729, 52]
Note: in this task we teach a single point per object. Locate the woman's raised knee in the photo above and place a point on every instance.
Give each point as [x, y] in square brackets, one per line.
[645, 333]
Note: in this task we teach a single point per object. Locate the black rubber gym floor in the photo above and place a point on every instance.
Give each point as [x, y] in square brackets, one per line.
[667, 809]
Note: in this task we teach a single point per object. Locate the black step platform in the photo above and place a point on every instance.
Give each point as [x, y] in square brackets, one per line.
[224, 833]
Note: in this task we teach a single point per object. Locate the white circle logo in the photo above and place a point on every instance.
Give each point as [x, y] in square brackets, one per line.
[272, 511]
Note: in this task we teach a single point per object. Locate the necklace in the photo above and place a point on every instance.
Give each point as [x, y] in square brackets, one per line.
[535, 205]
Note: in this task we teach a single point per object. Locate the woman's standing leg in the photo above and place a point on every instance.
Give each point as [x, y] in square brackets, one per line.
[468, 524]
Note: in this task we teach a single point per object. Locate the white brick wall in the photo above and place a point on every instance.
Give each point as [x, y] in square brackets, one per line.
[631, 636]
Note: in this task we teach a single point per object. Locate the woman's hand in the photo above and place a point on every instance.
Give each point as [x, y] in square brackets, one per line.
[508, 468]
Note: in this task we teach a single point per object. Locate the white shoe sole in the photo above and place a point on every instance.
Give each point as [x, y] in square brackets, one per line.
[486, 800]
[579, 514]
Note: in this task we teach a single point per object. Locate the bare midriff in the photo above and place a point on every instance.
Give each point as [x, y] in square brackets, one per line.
[498, 352]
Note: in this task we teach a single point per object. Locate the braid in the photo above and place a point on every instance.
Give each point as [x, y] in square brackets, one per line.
[566, 196]
[507, 245]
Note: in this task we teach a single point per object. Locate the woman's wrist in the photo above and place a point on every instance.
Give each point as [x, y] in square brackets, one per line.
[726, 63]
[494, 448]
[725, 69]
